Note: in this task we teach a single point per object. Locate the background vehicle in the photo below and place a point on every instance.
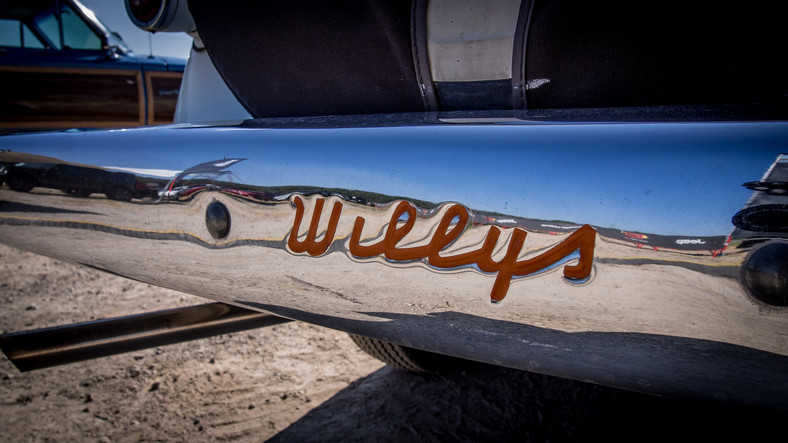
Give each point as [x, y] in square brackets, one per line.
[61, 68]
[76, 180]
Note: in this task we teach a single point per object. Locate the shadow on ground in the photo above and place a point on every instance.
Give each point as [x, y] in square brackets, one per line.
[488, 403]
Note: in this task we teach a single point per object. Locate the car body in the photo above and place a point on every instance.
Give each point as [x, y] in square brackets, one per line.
[609, 237]
[74, 179]
[63, 69]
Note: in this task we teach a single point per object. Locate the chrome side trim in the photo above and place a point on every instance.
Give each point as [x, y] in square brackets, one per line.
[663, 308]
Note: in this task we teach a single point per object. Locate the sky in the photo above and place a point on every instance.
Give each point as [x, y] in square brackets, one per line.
[113, 14]
[669, 179]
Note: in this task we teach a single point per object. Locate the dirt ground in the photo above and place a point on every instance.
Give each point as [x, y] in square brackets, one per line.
[298, 382]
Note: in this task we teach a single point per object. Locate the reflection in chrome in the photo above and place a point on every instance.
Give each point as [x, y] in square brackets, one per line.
[23, 172]
[211, 170]
[349, 227]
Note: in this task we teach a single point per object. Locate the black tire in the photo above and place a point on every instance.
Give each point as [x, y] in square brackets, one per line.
[21, 183]
[119, 194]
[77, 192]
[405, 358]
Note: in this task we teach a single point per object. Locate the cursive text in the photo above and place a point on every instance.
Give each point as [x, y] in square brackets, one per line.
[451, 226]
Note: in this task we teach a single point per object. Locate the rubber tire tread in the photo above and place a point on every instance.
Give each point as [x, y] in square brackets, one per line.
[405, 358]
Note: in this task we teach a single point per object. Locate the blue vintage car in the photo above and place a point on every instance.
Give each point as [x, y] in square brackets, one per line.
[61, 68]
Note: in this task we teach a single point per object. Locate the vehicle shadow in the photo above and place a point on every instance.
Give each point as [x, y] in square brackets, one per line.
[488, 403]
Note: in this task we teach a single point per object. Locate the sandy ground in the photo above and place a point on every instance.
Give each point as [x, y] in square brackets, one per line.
[298, 382]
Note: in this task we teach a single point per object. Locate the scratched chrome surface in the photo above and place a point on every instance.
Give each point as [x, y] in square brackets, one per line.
[444, 237]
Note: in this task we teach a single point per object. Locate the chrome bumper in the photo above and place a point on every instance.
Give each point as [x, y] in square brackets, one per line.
[624, 254]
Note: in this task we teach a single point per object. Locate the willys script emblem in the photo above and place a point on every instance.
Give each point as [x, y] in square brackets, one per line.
[450, 228]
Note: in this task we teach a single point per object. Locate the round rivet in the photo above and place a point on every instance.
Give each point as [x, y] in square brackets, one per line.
[765, 274]
[217, 220]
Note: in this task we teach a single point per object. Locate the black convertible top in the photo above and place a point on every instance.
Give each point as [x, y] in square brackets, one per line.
[308, 57]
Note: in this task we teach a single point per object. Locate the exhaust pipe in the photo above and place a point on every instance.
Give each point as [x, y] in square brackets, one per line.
[42, 348]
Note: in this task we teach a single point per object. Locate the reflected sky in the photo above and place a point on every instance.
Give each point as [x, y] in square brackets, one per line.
[673, 179]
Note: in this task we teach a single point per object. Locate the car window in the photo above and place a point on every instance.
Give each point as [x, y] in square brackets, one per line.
[10, 34]
[30, 40]
[47, 23]
[74, 34]
[15, 34]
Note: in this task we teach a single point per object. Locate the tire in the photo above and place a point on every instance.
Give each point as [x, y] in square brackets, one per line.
[77, 192]
[119, 194]
[405, 358]
[21, 183]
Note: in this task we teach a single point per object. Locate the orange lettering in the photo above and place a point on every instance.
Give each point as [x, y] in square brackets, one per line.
[310, 245]
[507, 267]
[582, 240]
